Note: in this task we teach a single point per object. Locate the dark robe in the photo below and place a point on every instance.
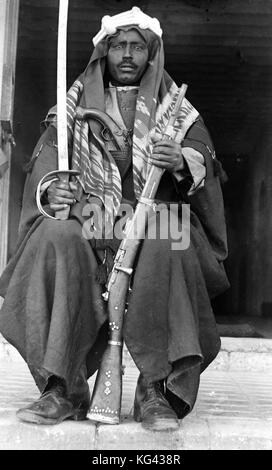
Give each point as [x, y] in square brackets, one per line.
[54, 313]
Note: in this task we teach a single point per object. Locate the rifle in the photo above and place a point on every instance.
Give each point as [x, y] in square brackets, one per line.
[107, 395]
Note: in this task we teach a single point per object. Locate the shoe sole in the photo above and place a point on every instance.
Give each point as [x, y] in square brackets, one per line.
[167, 425]
[32, 418]
[162, 426]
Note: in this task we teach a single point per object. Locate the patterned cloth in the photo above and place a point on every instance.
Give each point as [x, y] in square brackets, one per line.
[99, 174]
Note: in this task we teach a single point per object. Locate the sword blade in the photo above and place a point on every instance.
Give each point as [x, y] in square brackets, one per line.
[63, 161]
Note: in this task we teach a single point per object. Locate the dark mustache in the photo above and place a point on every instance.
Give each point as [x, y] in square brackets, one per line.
[127, 62]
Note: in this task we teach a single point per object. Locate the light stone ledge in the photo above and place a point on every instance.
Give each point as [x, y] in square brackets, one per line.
[131, 436]
[69, 435]
[194, 434]
[239, 434]
[261, 345]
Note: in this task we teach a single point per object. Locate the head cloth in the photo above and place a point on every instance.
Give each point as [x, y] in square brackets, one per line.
[135, 16]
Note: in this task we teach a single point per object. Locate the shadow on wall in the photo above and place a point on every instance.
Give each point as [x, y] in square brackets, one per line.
[29, 109]
[248, 201]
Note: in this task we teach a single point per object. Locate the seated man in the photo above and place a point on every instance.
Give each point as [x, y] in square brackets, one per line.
[53, 312]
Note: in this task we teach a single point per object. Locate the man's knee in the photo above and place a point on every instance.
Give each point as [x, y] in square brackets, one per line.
[57, 231]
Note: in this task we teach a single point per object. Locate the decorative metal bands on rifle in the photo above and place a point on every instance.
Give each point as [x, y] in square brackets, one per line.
[148, 202]
[115, 343]
[113, 326]
[103, 410]
[107, 410]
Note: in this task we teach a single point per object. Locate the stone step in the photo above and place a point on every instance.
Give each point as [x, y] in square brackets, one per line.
[233, 411]
[243, 354]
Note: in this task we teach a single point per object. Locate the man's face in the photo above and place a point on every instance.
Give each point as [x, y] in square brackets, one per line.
[127, 58]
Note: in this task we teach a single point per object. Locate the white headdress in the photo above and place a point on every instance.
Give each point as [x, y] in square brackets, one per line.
[109, 24]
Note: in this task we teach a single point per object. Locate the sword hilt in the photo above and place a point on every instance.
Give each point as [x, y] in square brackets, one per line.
[63, 214]
[38, 193]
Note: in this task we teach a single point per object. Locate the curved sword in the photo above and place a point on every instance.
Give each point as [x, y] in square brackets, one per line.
[63, 171]
[63, 160]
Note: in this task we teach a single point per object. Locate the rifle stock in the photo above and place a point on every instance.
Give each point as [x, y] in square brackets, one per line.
[107, 394]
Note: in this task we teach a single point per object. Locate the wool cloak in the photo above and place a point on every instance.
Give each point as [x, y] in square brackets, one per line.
[53, 311]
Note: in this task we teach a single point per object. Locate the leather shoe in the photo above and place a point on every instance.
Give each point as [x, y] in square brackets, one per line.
[52, 408]
[152, 409]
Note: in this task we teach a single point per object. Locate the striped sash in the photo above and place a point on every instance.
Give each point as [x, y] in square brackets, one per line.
[99, 174]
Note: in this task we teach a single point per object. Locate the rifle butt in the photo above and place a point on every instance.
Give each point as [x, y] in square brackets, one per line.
[107, 394]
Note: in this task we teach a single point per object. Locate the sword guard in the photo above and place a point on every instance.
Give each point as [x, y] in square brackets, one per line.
[38, 192]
